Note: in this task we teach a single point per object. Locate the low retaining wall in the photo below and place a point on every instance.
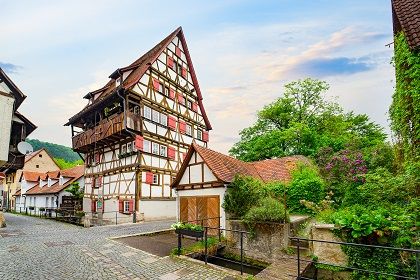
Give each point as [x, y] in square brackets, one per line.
[266, 244]
[327, 252]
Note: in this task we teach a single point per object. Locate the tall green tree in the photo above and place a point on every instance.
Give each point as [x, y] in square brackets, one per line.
[303, 121]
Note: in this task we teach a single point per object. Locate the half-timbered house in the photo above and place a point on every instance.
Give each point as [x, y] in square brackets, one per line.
[135, 131]
[205, 175]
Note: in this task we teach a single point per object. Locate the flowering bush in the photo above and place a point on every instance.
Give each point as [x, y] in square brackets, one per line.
[187, 226]
[345, 165]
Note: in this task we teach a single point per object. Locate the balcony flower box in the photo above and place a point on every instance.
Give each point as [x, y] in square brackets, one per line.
[188, 229]
[189, 232]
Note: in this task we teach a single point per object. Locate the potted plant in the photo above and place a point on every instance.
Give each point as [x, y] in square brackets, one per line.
[188, 229]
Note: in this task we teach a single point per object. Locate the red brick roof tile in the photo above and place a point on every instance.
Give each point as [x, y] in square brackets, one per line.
[225, 167]
[406, 16]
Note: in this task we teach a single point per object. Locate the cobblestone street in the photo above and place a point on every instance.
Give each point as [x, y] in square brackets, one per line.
[34, 248]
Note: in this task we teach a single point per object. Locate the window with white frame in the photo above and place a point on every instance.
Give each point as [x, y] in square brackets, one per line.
[166, 91]
[188, 130]
[133, 145]
[155, 116]
[163, 119]
[155, 148]
[189, 104]
[147, 112]
[199, 134]
[163, 150]
[126, 206]
[155, 179]
[129, 147]
[123, 149]
[147, 146]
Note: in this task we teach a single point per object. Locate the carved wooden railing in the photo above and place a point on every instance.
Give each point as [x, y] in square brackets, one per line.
[104, 129]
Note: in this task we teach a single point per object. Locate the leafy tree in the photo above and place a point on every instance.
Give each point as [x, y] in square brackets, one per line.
[75, 190]
[302, 122]
[243, 193]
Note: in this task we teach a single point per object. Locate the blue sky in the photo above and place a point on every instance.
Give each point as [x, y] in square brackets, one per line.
[243, 52]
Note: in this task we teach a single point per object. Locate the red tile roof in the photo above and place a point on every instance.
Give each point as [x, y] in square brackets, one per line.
[31, 176]
[225, 167]
[73, 173]
[138, 68]
[406, 17]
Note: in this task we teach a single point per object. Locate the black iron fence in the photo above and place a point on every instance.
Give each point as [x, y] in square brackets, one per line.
[215, 241]
[415, 253]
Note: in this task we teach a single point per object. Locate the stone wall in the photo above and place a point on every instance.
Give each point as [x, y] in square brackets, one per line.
[2, 220]
[327, 252]
[267, 243]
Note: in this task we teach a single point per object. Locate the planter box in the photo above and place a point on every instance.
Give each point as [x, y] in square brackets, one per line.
[191, 233]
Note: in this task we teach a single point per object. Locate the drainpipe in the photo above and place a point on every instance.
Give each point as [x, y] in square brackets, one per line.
[119, 91]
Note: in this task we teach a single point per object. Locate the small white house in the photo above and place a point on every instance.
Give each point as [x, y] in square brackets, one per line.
[205, 175]
[45, 190]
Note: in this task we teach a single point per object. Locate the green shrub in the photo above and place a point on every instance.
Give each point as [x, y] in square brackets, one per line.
[243, 193]
[268, 210]
[306, 185]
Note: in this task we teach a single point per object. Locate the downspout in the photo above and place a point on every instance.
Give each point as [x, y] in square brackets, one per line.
[119, 90]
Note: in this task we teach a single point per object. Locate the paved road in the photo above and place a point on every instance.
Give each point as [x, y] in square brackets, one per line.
[34, 248]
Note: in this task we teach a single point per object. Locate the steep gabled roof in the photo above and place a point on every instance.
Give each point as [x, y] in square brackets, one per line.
[225, 167]
[18, 95]
[406, 17]
[138, 68]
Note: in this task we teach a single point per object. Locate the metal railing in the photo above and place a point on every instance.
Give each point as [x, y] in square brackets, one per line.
[111, 217]
[232, 247]
[350, 268]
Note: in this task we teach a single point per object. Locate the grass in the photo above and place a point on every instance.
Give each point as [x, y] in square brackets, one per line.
[198, 247]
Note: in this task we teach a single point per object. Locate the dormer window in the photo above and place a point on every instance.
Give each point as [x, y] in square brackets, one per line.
[118, 82]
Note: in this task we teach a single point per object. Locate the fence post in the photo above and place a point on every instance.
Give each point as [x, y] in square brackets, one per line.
[418, 265]
[179, 244]
[205, 245]
[220, 236]
[242, 252]
[298, 257]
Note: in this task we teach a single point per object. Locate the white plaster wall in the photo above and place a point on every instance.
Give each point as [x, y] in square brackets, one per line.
[6, 112]
[158, 209]
[204, 192]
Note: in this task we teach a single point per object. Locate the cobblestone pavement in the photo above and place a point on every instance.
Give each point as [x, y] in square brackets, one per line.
[35, 248]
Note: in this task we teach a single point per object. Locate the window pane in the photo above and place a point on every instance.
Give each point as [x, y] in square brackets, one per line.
[147, 112]
[155, 116]
[163, 150]
[147, 146]
[155, 148]
[199, 135]
[163, 119]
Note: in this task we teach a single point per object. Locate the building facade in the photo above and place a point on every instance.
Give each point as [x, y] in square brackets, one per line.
[205, 175]
[136, 130]
[14, 128]
[40, 162]
[46, 190]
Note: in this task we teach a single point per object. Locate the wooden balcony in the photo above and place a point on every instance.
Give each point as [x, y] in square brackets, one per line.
[107, 131]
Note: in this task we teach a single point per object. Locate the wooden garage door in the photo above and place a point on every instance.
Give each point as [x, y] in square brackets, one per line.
[203, 210]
